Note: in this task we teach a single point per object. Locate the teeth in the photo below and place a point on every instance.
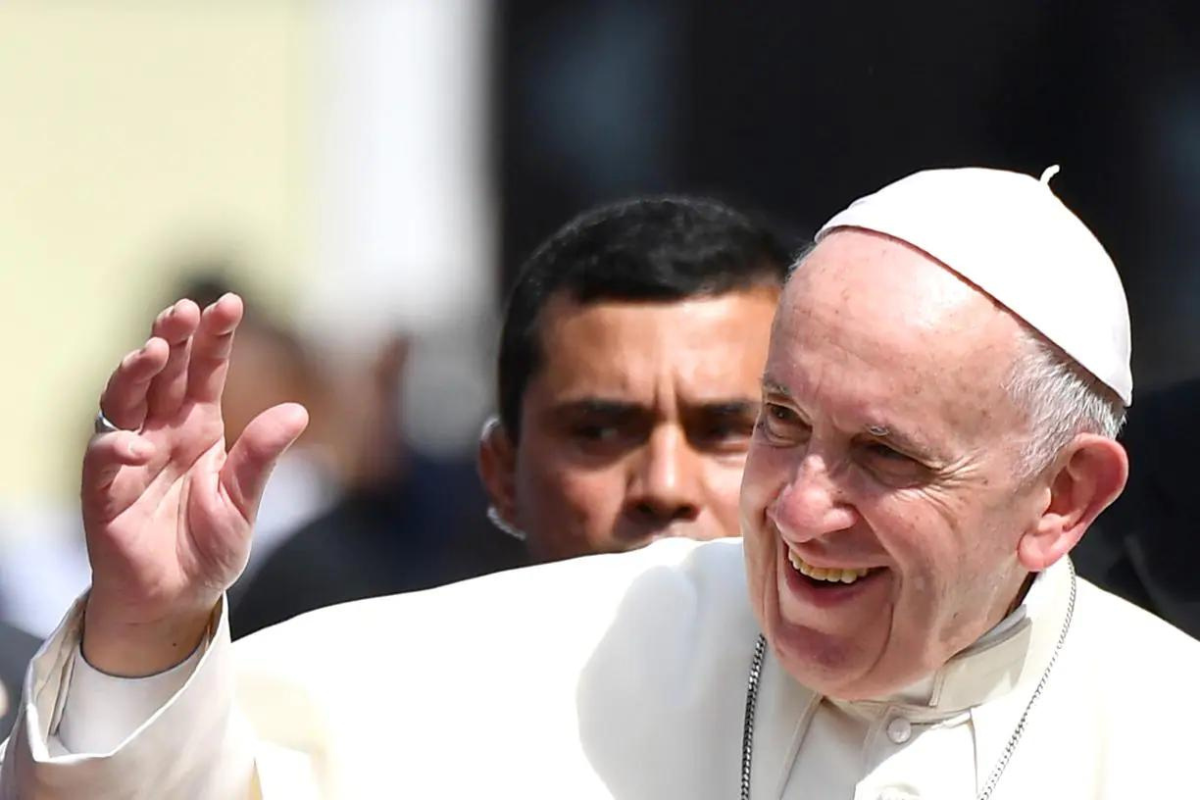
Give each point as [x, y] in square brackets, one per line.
[827, 575]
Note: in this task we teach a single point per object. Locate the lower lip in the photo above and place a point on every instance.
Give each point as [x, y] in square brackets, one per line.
[827, 595]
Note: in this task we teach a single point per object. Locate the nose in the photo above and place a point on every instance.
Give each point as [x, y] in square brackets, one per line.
[811, 504]
[665, 484]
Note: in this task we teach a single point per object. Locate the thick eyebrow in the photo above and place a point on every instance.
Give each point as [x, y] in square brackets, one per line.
[596, 406]
[728, 408]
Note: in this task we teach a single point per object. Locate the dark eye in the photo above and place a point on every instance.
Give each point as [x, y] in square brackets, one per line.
[595, 433]
[781, 413]
[723, 434]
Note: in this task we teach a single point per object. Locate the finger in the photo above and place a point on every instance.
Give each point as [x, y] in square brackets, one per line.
[175, 326]
[107, 455]
[255, 453]
[211, 347]
[124, 398]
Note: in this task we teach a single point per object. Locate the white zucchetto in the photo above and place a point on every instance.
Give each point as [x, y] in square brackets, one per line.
[1010, 236]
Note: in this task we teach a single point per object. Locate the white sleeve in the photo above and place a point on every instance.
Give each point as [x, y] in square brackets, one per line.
[83, 735]
[101, 711]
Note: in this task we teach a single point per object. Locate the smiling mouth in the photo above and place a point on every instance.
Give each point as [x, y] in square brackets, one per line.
[821, 575]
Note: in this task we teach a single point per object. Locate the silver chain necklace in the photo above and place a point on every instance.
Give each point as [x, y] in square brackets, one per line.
[760, 652]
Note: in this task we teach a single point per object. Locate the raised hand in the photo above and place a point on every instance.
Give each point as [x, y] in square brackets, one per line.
[168, 515]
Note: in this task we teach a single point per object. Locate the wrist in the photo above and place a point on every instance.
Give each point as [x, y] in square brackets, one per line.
[140, 648]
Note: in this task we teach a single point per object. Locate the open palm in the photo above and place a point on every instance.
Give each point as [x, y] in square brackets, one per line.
[167, 513]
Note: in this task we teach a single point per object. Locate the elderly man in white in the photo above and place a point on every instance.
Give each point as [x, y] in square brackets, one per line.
[947, 374]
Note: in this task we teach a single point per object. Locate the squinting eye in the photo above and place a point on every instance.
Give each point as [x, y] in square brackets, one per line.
[781, 413]
[780, 423]
[887, 453]
[891, 466]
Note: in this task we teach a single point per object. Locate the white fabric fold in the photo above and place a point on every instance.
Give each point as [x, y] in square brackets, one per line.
[102, 711]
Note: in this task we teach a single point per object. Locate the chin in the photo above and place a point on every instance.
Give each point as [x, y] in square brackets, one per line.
[840, 667]
[829, 664]
[840, 664]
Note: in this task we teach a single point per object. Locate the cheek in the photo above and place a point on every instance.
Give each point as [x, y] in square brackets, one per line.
[763, 479]
[928, 550]
[577, 502]
[723, 492]
[766, 473]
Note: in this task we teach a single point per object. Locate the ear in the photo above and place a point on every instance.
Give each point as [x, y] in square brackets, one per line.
[497, 469]
[1086, 478]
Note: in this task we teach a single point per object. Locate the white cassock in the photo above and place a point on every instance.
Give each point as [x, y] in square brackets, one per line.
[614, 676]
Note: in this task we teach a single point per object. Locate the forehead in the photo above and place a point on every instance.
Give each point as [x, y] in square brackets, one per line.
[704, 347]
[877, 329]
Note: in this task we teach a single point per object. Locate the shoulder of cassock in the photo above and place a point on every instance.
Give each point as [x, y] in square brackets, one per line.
[1118, 715]
[1132, 651]
[602, 676]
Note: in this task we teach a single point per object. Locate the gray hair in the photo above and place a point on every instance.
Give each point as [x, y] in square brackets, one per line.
[1060, 400]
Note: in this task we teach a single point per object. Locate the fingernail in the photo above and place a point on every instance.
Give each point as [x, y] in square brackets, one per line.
[140, 449]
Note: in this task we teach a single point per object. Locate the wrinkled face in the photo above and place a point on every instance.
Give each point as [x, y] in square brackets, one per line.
[636, 426]
[880, 505]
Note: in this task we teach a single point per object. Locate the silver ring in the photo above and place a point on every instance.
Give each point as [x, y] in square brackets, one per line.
[102, 425]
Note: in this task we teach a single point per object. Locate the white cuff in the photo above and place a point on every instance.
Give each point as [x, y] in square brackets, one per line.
[102, 711]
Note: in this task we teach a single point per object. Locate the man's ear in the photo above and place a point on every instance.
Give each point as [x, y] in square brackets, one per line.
[497, 469]
[1086, 478]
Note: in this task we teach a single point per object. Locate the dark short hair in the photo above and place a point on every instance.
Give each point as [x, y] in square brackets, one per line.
[659, 249]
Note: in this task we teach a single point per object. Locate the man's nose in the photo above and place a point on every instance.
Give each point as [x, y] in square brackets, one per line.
[811, 504]
[665, 484]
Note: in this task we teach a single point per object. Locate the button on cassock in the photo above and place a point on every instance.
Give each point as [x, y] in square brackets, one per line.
[899, 730]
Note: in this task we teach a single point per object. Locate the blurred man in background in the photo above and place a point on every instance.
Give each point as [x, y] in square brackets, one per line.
[628, 370]
[628, 375]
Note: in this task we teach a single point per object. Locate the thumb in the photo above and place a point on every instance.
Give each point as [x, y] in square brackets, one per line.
[255, 453]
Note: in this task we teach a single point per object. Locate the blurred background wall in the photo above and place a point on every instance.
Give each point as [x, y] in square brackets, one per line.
[135, 137]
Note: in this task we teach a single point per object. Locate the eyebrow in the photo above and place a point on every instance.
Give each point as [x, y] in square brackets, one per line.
[729, 408]
[598, 406]
[772, 386]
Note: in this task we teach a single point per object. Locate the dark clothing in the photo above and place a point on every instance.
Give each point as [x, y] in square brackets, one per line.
[427, 530]
[1146, 547]
[16, 648]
